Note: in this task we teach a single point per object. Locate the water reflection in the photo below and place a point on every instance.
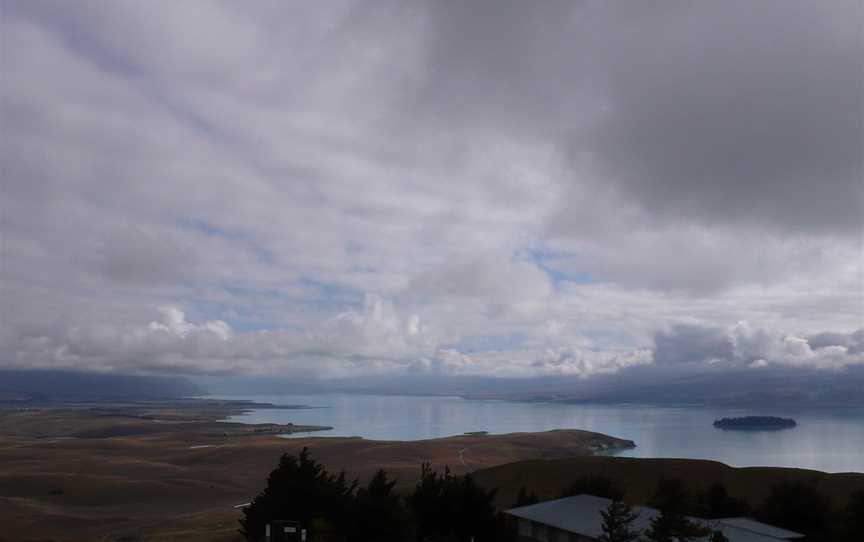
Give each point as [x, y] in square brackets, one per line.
[828, 441]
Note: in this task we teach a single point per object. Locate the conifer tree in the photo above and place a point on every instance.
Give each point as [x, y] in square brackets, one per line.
[618, 521]
[672, 524]
[674, 527]
[449, 507]
[299, 489]
[379, 514]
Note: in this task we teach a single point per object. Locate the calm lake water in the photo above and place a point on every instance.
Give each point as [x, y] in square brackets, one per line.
[826, 441]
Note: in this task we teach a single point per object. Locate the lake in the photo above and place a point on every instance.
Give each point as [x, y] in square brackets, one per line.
[826, 441]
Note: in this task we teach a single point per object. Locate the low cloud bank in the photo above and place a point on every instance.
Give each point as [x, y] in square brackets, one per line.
[746, 345]
[370, 339]
[378, 339]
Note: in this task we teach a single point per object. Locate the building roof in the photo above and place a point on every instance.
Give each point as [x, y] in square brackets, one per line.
[736, 534]
[760, 528]
[580, 514]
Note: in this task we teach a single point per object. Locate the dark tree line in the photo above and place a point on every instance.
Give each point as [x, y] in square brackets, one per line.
[444, 507]
[672, 525]
[800, 507]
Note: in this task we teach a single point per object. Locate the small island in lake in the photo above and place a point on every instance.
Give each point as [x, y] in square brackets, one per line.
[755, 422]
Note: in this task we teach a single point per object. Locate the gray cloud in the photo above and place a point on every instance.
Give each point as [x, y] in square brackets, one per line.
[545, 188]
[692, 344]
[136, 255]
[715, 113]
[746, 345]
[854, 341]
[740, 112]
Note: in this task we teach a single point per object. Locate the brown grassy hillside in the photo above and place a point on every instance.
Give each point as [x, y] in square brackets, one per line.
[179, 480]
[640, 476]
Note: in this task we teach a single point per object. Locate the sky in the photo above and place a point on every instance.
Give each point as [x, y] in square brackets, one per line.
[471, 188]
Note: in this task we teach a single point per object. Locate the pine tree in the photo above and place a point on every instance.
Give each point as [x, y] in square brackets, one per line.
[672, 524]
[379, 514]
[450, 507]
[618, 521]
[674, 527]
[299, 489]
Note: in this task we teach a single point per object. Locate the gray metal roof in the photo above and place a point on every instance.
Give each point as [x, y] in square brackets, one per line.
[736, 534]
[761, 528]
[581, 515]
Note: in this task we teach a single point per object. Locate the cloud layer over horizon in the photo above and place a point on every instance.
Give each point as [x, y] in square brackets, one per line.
[466, 188]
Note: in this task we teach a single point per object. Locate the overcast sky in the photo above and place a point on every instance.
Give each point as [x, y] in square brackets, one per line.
[460, 187]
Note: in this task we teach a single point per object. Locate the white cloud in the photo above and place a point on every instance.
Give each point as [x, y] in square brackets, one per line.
[744, 344]
[376, 339]
[174, 322]
[762, 348]
[266, 167]
[563, 361]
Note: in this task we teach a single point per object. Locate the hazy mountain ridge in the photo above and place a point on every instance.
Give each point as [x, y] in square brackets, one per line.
[783, 387]
[60, 385]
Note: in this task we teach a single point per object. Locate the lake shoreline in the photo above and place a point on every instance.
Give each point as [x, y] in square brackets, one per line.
[660, 431]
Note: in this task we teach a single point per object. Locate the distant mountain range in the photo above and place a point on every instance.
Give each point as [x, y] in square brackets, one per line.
[55, 385]
[782, 387]
[737, 389]
[741, 388]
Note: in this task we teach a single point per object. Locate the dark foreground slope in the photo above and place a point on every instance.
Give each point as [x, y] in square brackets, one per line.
[640, 477]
